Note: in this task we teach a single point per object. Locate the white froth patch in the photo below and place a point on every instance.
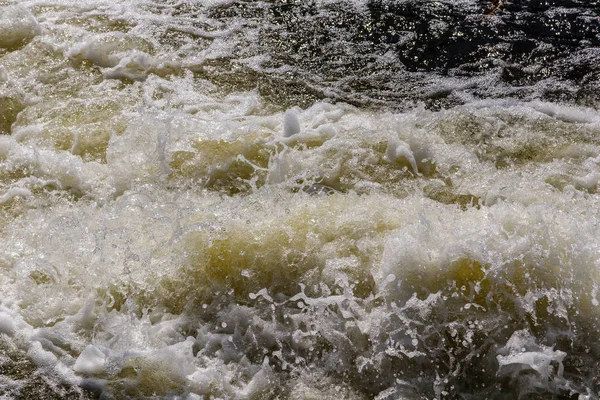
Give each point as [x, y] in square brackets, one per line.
[40, 356]
[131, 222]
[568, 114]
[121, 56]
[499, 238]
[521, 353]
[399, 152]
[589, 181]
[291, 125]
[3, 74]
[7, 325]
[62, 169]
[12, 193]
[104, 50]
[91, 361]
[134, 66]
[17, 26]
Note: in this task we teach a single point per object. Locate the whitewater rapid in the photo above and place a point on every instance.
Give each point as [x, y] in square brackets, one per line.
[186, 215]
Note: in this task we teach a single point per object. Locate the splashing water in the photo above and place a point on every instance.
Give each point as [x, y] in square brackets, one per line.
[299, 200]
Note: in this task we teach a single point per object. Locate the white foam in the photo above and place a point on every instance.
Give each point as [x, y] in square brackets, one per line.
[3, 74]
[17, 26]
[399, 152]
[521, 352]
[103, 50]
[569, 114]
[134, 66]
[7, 325]
[144, 233]
[91, 361]
[14, 192]
[589, 181]
[104, 272]
[291, 125]
[40, 356]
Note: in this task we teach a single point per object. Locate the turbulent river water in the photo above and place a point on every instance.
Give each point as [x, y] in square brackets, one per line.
[287, 199]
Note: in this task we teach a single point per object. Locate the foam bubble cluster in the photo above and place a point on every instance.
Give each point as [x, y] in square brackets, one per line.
[18, 27]
[172, 230]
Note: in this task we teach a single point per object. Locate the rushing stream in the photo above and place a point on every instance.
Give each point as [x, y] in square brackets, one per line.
[287, 199]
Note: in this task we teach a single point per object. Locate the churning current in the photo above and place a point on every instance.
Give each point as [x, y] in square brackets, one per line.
[286, 199]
